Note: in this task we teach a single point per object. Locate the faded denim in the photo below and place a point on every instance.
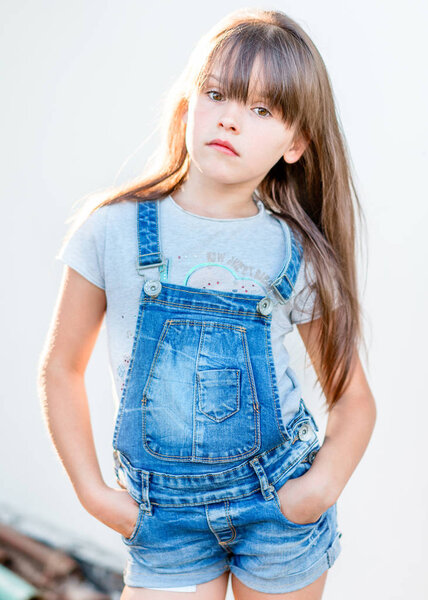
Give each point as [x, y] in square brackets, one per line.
[199, 441]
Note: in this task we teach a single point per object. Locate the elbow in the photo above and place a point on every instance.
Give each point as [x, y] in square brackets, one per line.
[374, 410]
[368, 409]
[52, 371]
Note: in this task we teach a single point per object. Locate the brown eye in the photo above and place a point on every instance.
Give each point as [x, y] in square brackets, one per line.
[264, 110]
[215, 93]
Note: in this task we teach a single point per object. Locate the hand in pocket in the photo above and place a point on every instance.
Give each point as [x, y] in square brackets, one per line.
[300, 500]
[116, 509]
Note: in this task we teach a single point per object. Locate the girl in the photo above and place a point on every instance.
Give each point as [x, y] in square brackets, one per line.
[245, 227]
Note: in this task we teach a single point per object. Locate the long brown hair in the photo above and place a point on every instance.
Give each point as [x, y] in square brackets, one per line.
[316, 195]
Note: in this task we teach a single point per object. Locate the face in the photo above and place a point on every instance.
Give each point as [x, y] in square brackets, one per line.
[258, 135]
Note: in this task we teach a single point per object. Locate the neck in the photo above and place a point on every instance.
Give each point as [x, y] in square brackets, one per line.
[208, 198]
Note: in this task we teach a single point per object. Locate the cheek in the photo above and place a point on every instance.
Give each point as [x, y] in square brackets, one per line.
[197, 118]
[266, 149]
[194, 129]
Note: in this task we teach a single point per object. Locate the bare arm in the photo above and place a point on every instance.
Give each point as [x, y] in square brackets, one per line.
[349, 428]
[349, 425]
[74, 328]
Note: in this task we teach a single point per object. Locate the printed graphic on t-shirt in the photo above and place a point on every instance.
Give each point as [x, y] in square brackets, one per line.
[219, 277]
[228, 274]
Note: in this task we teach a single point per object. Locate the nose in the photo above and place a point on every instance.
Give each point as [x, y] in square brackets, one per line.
[229, 119]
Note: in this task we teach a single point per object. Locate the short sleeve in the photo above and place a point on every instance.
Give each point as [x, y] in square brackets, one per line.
[83, 249]
[303, 298]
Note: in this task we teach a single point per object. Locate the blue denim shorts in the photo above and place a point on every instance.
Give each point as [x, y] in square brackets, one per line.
[182, 541]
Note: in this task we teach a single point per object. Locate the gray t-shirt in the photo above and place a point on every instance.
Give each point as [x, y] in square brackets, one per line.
[240, 255]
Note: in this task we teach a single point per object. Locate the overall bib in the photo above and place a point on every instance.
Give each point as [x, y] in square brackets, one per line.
[199, 423]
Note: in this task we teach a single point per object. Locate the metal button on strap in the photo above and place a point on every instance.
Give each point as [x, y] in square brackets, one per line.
[152, 287]
[265, 306]
[305, 432]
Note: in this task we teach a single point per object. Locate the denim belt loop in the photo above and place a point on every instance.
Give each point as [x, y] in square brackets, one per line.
[266, 488]
[145, 501]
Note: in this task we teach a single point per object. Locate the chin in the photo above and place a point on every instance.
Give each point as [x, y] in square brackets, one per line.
[223, 174]
[223, 179]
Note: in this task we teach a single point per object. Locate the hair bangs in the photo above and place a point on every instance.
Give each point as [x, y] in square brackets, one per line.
[248, 69]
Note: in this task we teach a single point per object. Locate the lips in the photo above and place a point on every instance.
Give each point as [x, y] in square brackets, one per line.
[223, 144]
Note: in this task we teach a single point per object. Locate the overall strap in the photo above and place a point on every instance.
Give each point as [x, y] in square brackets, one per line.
[149, 249]
[150, 254]
[283, 284]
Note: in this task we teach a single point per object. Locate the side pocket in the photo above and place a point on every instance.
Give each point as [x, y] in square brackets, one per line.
[131, 538]
[300, 469]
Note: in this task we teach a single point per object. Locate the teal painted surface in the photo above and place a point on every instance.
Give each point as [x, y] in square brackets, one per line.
[13, 587]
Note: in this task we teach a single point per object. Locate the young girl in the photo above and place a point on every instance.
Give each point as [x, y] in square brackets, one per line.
[245, 227]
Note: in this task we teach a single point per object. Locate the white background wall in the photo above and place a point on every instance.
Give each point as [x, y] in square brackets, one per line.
[81, 85]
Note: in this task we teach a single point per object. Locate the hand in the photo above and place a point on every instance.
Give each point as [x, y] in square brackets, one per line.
[301, 500]
[115, 508]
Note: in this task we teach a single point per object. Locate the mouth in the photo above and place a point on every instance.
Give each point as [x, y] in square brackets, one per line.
[223, 146]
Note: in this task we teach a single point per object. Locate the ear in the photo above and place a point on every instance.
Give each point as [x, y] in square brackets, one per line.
[295, 151]
[184, 117]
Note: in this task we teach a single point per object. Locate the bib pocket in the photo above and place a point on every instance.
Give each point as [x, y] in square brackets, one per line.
[199, 401]
[215, 384]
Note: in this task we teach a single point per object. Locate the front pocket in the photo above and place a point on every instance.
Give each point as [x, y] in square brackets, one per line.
[199, 401]
[131, 538]
[293, 523]
[298, 470]
[217, 384]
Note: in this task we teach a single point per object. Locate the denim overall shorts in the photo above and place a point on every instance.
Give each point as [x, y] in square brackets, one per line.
[199, 442]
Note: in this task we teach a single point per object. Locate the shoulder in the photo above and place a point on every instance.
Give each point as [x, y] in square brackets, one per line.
[104, 217]
[113, 212]
[91, 226]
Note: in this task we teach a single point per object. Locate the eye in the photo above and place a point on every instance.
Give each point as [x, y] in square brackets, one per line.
[216, 93]
[265, 111]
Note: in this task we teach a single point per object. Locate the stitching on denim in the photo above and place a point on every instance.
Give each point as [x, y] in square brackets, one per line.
[251, 378]
[214, 459]
[165, 328]
[202, 502]
[149, 377]
[276, 498]
[256, 315]
[252, 297]
[195, 392]
[229, 497]
[296, 462]
[256, 414]
[274, 386]
[229, 519]
[237, 387]
[193, 457]
[128, 374]
[136, 471]
[211, 529]
[222, 544]
[137, 527]
[211, 323]
[295, 251]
